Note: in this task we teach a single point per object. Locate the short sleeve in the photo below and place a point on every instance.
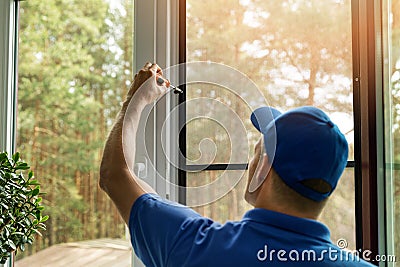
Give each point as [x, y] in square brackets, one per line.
[155, 226]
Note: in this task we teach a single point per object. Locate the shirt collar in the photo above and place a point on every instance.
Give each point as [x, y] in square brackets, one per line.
[303, 226]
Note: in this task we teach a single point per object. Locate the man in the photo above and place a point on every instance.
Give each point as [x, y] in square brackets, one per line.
[296, 166]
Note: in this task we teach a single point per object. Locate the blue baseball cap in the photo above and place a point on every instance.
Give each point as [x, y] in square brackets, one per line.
[303, 144]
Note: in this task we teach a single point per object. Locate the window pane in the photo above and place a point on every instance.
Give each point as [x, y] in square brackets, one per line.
[75, 61]
[396, 235]
[391, 23]
[231, 206]
[338, 214]
[220, 135]
[296, 52]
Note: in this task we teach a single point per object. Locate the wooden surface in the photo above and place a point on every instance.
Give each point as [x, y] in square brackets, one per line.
[92, 253]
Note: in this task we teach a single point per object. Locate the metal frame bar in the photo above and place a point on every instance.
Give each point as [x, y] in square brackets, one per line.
[8, 73]
[368, 124]
[381, 244]
[233, 166]
[182, 98]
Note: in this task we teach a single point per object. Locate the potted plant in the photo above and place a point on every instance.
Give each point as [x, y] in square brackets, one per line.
[20, 206]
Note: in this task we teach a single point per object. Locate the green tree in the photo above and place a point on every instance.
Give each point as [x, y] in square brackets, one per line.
[73, 73]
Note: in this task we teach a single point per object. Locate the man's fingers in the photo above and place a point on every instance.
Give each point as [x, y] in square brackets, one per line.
[147, 66]
[154, 88]
[156, 69]
[153, 67]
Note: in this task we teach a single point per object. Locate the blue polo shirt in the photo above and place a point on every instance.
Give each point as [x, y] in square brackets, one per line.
[165, 233]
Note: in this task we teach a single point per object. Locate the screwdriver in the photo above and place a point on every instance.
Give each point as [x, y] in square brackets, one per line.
[177, 90]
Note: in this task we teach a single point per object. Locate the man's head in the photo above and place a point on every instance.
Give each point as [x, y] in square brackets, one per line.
[303, 148]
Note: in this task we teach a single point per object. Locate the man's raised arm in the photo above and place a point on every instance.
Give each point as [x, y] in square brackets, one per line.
[122, 186]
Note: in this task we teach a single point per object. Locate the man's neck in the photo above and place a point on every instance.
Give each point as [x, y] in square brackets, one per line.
[266, 200]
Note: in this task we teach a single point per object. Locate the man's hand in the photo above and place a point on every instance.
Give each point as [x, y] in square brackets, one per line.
[116, 179]
[145, 87]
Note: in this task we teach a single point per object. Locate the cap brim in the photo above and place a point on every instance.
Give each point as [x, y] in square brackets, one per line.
[263, 116]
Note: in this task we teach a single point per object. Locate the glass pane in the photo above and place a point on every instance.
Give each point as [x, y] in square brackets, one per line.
[220, 135]
[391, 23]
[75, 61]
[396, 196]
[338, 214]
[231, 206]
[296, 52]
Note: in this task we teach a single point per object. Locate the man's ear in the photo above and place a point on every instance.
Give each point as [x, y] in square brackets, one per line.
[260, 174]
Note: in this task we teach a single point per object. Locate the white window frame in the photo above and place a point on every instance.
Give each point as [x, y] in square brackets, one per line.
[8, 77]
[8, 73]
[156, 40]
[156, 35]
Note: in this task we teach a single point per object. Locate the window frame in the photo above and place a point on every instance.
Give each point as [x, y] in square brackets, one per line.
[390, 164]
[9, 12]
[182, 118]
[156, 39]
[8, 73]
[368, 124]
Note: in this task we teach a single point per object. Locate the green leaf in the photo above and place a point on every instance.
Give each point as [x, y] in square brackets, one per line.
[45, 218]
[6, 232]
[35, 191]
[11, 244]
[22, 166]
[42, 226]
[17, 233]
[16, 157]
[34, 182]
[3, 156]
[36, 231]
